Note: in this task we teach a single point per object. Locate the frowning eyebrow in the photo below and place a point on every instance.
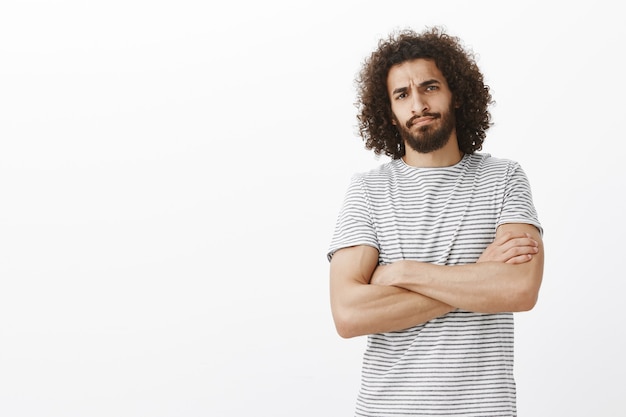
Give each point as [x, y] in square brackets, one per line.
[426, 83]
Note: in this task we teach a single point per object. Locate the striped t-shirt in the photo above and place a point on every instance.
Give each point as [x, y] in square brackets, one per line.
[459, 364]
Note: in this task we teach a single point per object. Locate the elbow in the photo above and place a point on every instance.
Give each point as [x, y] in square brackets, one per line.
[523, 292]
[345, 325]
[526, 298]
[526, 302]
[345, 332]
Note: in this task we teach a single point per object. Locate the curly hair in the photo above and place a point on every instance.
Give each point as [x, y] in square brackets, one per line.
[457, 65]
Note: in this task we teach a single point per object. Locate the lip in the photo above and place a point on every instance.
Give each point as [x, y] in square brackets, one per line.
[422, 121]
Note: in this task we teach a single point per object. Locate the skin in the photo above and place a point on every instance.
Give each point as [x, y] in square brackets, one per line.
[368, 298]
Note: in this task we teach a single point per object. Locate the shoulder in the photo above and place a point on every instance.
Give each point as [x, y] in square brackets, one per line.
[486, 159]
[384, 169]
[375, 175]
[486, 164]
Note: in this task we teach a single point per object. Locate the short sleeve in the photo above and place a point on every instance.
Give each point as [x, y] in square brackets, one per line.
[354, 224]
[518, 206]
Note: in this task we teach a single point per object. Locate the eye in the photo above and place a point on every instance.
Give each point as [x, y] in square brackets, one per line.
[432, 88]
[401, 96]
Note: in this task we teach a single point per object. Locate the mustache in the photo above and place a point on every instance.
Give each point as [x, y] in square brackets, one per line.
[412, 120]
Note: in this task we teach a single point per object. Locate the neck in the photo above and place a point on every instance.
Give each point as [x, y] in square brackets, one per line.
[447, 156]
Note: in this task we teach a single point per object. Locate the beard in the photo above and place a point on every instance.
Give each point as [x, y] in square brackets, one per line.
[428, 138]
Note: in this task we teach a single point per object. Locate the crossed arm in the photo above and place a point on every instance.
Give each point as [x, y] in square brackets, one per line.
[367, 298]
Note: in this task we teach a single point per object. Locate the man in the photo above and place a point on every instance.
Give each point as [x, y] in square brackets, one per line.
[434, 250]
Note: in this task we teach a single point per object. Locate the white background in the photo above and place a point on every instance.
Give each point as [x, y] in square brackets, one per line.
[170, 173]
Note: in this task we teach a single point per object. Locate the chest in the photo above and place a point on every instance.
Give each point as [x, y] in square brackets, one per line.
[438, 219]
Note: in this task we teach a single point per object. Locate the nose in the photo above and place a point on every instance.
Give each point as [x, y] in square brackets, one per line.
[418, 104]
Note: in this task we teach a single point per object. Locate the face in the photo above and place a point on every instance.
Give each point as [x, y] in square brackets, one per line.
[421, 104]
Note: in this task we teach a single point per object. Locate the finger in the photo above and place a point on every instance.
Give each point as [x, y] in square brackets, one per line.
[520, 259]
[520, 251]
[519, 242]
[509, 236]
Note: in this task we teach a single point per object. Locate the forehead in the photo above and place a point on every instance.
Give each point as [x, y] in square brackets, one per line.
[415, 71]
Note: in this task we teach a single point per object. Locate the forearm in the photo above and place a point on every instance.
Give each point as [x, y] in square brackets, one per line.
[506, 277]
[487, 287]
[367, 309]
